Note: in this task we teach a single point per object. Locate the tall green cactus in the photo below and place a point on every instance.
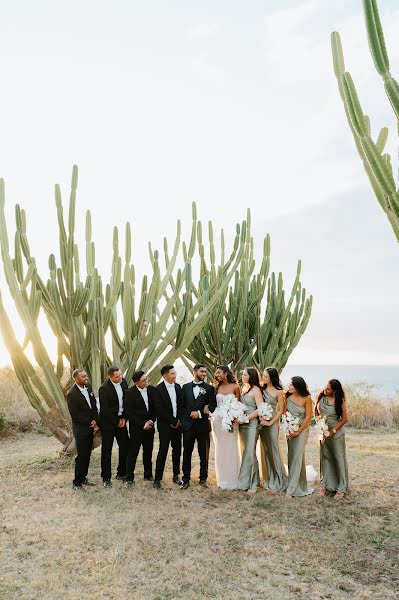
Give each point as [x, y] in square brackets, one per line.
[252, 323]
[377, 164]
[82, 313]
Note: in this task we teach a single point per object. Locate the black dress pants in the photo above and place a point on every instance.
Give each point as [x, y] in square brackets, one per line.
[138, 438]
[122, 438]
[189, 438]
[84, 442]
[168, 436]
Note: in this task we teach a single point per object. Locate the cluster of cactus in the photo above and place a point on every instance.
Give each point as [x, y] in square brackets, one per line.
[210, 320]
[82, 313]
[377, 164]
[252, 324]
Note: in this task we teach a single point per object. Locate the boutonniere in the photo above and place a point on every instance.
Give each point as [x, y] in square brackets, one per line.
[202, 391]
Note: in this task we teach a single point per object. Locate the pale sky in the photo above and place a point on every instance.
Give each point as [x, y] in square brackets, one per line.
[231, 104]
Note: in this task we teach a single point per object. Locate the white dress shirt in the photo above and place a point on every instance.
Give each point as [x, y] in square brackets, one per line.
[119, 391]
[196, 390]
[85, 393]
[144, 393]
[172, 394]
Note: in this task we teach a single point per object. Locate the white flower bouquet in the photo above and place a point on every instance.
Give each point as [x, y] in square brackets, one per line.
[265, 410]
[230, 410]
[321, 428]
[290, 423]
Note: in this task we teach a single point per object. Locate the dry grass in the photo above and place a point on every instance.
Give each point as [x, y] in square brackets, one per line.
[368, 411]
[15, 409]
[148, 544]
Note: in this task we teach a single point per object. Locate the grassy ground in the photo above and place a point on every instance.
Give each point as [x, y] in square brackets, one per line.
[143, 543]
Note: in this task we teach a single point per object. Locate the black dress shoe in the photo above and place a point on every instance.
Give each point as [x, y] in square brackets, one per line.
[176, 479]
[149, 478]
[87, 482]
[128, 484]
[107, 483]
[77, 487]
[121, 477]
[157, 485]
[203, 483]
[184, 485]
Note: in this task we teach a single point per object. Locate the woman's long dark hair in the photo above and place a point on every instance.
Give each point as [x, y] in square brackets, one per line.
[339, 396]
[254, 377]
[300, 386]
[229, 375]
[274, 378]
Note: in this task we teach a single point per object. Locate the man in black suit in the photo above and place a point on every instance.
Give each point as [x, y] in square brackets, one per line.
[197, 396]
[113, 424]
[168, 405]
[140, 412]
[83, 410]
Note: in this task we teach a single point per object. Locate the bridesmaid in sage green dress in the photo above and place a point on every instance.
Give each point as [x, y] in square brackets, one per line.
[331, 404]
[273, 470]
[251, 396]
[299, 404]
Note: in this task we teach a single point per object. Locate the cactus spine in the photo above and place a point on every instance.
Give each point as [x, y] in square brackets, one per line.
[377, 164]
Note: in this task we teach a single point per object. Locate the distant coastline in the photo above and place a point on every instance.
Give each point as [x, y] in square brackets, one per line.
[384, 378]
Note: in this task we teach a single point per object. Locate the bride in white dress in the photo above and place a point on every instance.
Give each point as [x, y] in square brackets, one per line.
[227, 453]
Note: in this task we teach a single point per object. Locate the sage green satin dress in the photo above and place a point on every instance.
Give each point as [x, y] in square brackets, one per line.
[297, 484]
[274, 474]
[333, 463]
[248, 477]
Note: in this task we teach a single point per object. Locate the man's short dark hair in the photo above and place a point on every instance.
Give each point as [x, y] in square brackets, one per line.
[166, 369]
[77, 372]
[113, 369]
[137, 375]
[199, 366]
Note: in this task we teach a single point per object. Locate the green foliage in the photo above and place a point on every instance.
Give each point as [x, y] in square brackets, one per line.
[253, 323]
[82, 311]
[377, 164]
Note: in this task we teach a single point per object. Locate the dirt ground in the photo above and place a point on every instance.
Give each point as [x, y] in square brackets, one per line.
[143, 543]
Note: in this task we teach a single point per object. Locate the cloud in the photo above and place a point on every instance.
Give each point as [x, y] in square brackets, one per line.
[204, 30]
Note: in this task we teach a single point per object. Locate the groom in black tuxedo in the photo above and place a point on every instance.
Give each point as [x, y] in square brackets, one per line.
[83, 410]
[197, 397]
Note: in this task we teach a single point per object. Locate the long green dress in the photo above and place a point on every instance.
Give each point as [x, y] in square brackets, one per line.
[333, 464]
[248, 477]
[297, 484]
[274, 474]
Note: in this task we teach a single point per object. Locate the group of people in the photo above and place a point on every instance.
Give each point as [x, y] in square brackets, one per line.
[181, 415]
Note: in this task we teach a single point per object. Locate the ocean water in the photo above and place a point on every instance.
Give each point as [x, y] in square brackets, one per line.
[385, 379]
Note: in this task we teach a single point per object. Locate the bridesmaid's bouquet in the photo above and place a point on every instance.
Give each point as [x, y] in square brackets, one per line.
[321, 428]
[265, 410]
[231, 410]
[290, 423]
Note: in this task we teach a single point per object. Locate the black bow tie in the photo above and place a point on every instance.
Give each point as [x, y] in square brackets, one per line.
[195, 384]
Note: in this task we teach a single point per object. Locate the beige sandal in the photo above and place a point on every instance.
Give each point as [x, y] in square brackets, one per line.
[339, 496]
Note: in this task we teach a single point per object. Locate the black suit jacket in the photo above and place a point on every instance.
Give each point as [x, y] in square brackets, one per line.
[190, 403]
[135, 409]
[81, 413]
[164, 409]
[109, 404]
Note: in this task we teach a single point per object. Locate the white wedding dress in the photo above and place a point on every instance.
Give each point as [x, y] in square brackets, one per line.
[227, 451]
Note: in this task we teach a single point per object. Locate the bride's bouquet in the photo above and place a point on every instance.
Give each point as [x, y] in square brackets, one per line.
[290, 423]
[231, 410]
[265, 410]
[321, 428]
